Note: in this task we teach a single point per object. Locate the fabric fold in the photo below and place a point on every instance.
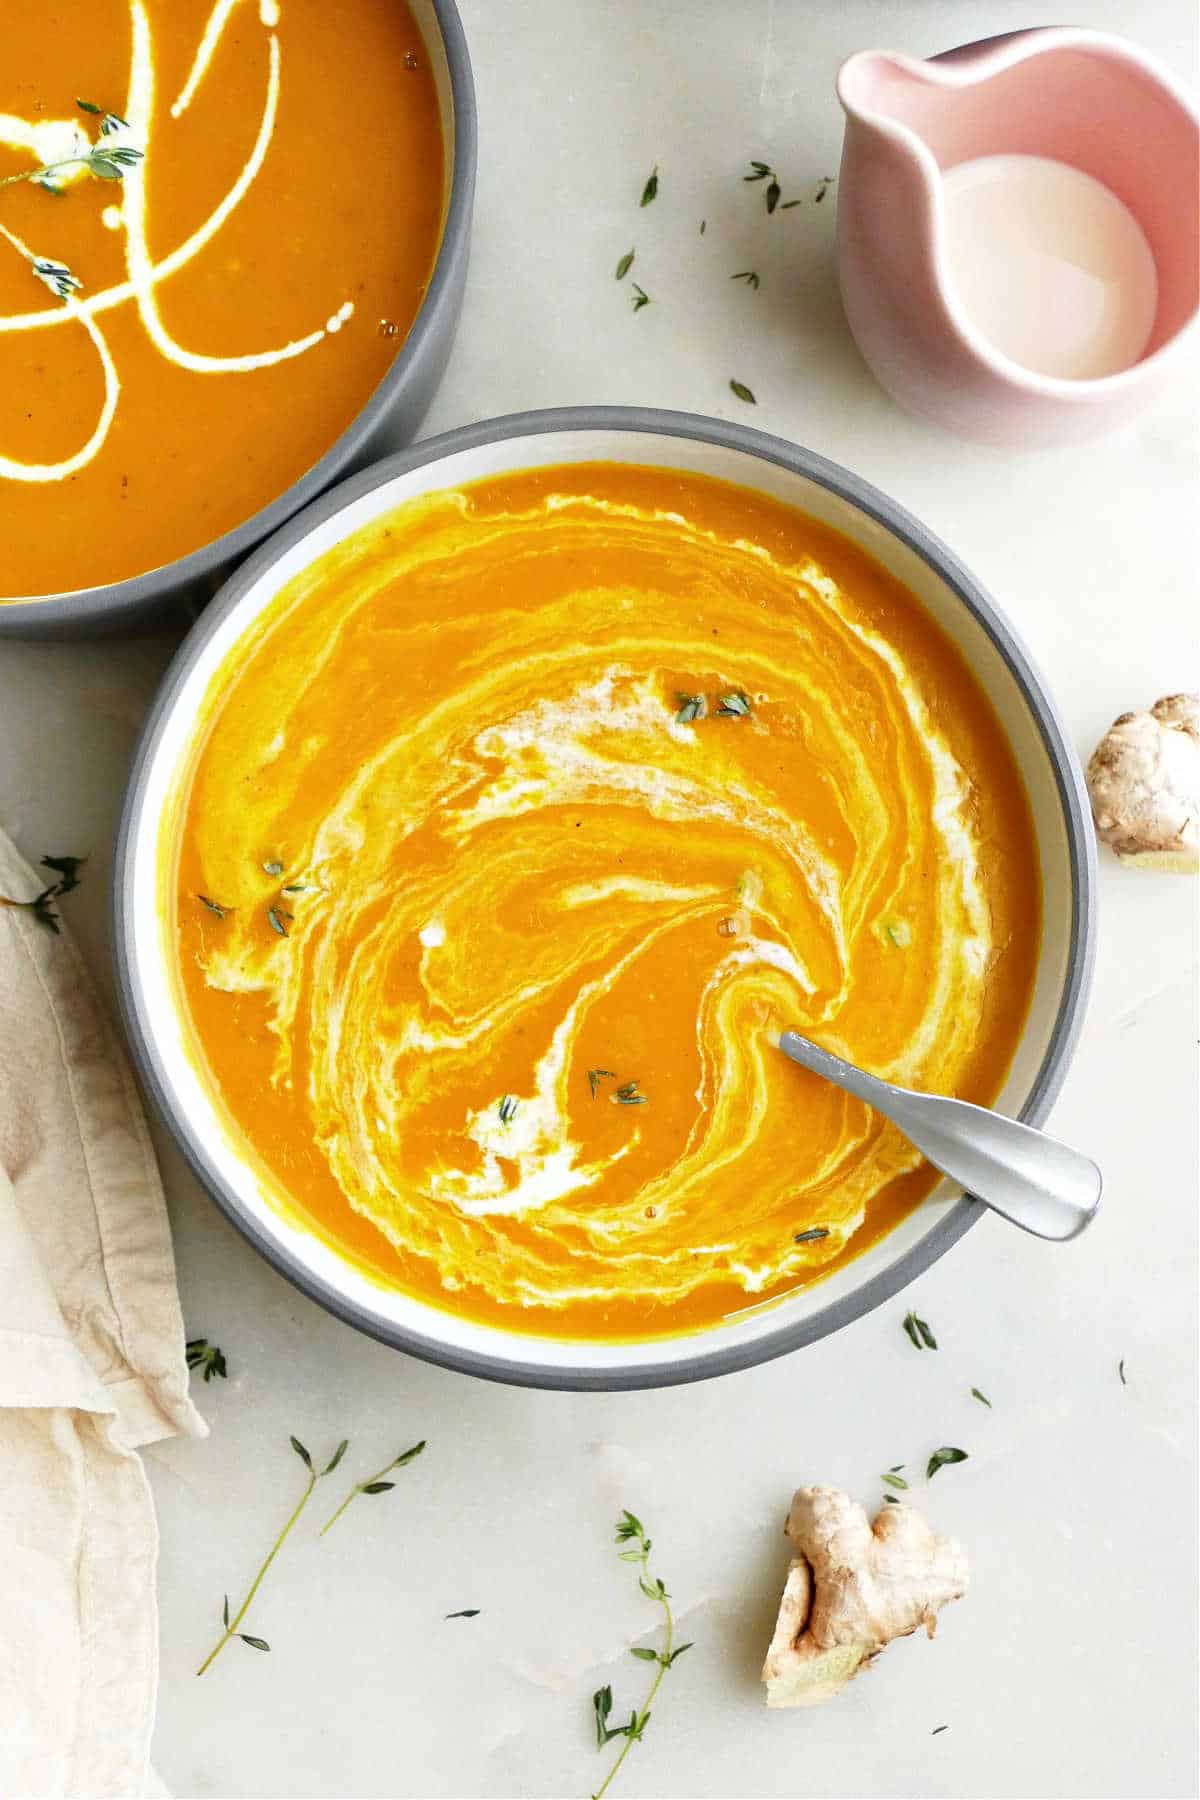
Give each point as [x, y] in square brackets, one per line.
[91, 1367]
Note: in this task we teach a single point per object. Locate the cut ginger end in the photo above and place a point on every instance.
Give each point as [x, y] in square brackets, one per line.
[852, 1587]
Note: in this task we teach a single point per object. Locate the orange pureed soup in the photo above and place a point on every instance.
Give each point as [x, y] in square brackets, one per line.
[245, 285]
[519, 826]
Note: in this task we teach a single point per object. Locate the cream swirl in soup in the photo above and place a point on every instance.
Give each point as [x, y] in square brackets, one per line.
[522, 824]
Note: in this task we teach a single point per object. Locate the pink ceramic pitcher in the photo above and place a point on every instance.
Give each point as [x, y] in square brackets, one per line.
[1081, 97]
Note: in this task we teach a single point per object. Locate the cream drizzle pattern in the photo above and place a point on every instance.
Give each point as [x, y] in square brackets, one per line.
[144, 274]
[423, 858]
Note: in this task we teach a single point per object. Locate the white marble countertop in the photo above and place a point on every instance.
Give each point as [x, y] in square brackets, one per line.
[1069, 1669]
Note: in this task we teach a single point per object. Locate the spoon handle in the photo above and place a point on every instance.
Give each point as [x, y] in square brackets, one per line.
[1039, 1184]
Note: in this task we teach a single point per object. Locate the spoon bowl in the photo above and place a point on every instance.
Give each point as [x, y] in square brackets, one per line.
[1030, 1179]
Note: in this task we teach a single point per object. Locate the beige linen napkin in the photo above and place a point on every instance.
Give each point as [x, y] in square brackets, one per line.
[91, 1367]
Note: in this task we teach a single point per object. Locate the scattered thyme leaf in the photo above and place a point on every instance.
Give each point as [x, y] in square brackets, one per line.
[691, 708]
[812, 1236]
[919, 1332]
[625, 264]
[87, 106]
[596, 1076]
[296, 887]
[940, 1459]
[891, 1499]
[938, 1728]
[336, 1458]
[374, 1484]
[749, 276]
[209, 1359]
[650, 191]
[627, 1095]
[467, 1612]
[272, 868]
[630, 1530]
[508, 1108]
[276, 916]
[743, 392]
[823, 187]
[1121, 1372]
[899, 933]
[214, 906]
[232, 1626]
[640, 298]
[774, 194]
[982, 1398]
[894, 1480]
[734, 706]
[703, 226]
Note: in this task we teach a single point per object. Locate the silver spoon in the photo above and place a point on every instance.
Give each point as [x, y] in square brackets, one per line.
[1033, 1180]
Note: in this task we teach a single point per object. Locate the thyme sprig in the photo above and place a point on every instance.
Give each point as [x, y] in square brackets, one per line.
[232, 1625]
[105, 160]
[630, 1531]
[67, 869]
[374, 1484]
[208, 1358]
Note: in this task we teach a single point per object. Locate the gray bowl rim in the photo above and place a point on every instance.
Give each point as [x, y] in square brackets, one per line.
[712, 1357]
[106, 606]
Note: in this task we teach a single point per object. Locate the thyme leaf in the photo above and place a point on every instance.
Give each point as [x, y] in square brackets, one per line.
[596, 1076]
[1121, 1372]
[919, 1332]
[508, 1108]
[749, 276]
[982, 1398]
[734, 706]
[214, 906]
[209, 1359]
[627, 1095]
[467, 1612]
[625, 264]
[276, 916]
[893, 1479]
[691, 708]
[743, 392]
[650, 191]
[67, 867]
[812, 1236]
[940, 1458]
[640, 298]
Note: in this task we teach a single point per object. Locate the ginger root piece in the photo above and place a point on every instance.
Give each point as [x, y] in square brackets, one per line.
[851, 1588]
[1144, 780]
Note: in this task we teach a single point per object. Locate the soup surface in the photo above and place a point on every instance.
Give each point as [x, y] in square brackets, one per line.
[245, 285]
[520, 825]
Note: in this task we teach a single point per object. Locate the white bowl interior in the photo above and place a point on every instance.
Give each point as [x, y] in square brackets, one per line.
[149, 903]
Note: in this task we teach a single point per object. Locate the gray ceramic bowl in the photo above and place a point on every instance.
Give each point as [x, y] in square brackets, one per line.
[951, 596]
[390, 418]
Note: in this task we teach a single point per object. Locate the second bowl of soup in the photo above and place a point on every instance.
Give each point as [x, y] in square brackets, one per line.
[493, 825]
[236, 272]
